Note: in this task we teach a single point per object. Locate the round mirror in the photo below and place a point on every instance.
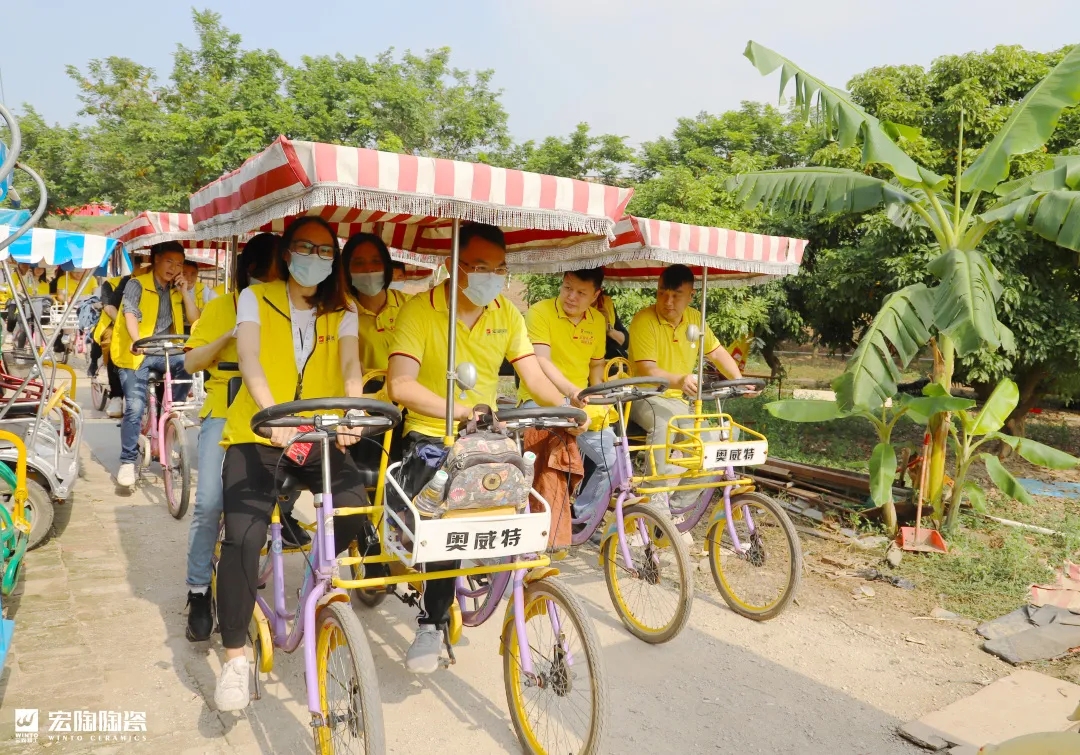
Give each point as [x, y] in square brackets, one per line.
[466, 376]
[693, 333]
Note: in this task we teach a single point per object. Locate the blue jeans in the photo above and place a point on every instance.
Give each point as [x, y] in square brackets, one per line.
[599, 447]
[134, 382]
[206, 519]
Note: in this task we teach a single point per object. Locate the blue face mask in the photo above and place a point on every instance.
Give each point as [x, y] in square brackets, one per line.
[368, 284]
[309, 271]
[484, 287]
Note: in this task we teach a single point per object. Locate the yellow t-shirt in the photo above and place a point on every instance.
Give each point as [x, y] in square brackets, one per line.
[573, 346]
[421, 333]
[653, 339]
[376, 330]
[218, 318]
[67, 285]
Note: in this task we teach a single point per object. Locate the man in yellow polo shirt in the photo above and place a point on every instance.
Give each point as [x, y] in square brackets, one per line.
[489, 329]
[569, 336]
[660, 348]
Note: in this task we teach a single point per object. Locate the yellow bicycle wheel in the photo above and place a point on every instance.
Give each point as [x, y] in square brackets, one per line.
[762, 580]
[562, 706]
[653, 594]
[348, 686]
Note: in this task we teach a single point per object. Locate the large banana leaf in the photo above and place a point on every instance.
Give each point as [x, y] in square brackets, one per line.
[804, 410]
[1054, 215]
[1064, 173]
[966, 300]
[1029, 126]
[997, 408]
[1039, 453]
[824, 189]
[847, 120]
[903, 325]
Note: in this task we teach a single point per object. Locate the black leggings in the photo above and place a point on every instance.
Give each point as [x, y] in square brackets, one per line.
[439, 594]
[116, 388]
[249, 488]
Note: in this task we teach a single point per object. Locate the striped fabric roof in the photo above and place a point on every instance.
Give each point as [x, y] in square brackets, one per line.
[643, 248]
[149, 228]
[408, 201]
[51, 247]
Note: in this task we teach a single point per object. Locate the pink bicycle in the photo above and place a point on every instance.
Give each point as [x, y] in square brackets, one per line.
[163, 428]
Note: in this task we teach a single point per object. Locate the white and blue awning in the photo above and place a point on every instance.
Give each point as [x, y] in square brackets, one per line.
[51, 247]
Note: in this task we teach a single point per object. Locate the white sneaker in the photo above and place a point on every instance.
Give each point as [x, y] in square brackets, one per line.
[232, 692]
[125, 478]
[115, 408]
[423, 655]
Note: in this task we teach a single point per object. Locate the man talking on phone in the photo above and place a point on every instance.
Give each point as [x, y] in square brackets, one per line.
[154, 303]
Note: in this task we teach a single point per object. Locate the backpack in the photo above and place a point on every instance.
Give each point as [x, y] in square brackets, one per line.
[485, 470]
[89, 312]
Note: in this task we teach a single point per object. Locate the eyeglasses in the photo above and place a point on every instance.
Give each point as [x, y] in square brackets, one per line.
[306, 249]
[482, 269]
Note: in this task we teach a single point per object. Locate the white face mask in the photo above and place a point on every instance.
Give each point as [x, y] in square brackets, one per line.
[368, 284]
[484, 287]
[397, 285]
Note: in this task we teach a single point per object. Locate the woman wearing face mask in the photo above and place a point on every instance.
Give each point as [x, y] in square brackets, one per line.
[306, 310]
[369, 269]
[213, 341]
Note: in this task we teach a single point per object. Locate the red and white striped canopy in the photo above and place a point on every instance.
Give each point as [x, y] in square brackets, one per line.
[408, 201]
[643, 248]
[149, 228]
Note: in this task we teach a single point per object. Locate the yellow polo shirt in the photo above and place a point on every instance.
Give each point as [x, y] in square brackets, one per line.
[217, 319]
[421, 332]
[376, 330]
[653, 339]
[572, 345]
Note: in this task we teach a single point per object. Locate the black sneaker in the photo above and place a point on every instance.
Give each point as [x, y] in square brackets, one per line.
[200, 620]
[292, 534]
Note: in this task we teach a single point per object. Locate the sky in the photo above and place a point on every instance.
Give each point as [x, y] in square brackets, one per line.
[626, 67]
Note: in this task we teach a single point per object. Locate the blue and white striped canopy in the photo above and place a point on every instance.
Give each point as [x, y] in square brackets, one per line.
[52, 247]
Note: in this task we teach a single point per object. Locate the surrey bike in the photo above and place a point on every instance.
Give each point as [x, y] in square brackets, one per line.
[552, 669]
[754, 551]
[163, 436]
[342, 687]
[645, 561]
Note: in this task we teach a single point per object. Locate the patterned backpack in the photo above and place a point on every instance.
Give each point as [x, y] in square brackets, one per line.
[485, 470]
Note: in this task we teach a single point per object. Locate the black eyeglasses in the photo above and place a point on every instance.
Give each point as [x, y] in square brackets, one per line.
[306, 249]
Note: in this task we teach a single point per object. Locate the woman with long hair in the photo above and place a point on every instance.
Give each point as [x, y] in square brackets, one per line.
[308, 311]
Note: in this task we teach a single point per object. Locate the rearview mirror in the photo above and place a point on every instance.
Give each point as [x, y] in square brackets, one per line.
[693, 334]
[466, 376]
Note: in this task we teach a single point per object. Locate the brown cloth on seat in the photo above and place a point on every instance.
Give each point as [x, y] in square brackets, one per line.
[556, 454]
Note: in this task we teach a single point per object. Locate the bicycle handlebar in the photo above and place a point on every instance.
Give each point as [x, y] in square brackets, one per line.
[161, 345]
[624, 389]
[378, 415]
[717, 389]
[547, 417]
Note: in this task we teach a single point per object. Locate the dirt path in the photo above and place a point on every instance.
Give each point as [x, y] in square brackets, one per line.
[99, 626]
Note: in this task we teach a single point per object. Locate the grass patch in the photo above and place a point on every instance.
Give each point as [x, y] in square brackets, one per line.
[987, 572]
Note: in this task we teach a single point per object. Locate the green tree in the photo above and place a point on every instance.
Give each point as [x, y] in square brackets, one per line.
[959, 313]
[62, 157]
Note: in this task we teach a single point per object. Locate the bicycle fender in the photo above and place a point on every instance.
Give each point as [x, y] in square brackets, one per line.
[611, 531]
[334, 596]
[266, 643]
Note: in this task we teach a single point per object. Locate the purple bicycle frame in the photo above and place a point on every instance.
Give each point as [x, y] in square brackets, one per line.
[315, 584]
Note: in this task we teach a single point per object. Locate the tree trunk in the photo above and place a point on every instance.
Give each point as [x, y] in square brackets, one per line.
[939, 428]
[776, 367]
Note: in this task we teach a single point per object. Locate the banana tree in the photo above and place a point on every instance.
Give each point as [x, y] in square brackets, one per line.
[958, 314]
[883, 457]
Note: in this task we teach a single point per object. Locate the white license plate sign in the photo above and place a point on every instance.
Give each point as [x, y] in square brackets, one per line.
[749, 453]
[481, 537]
